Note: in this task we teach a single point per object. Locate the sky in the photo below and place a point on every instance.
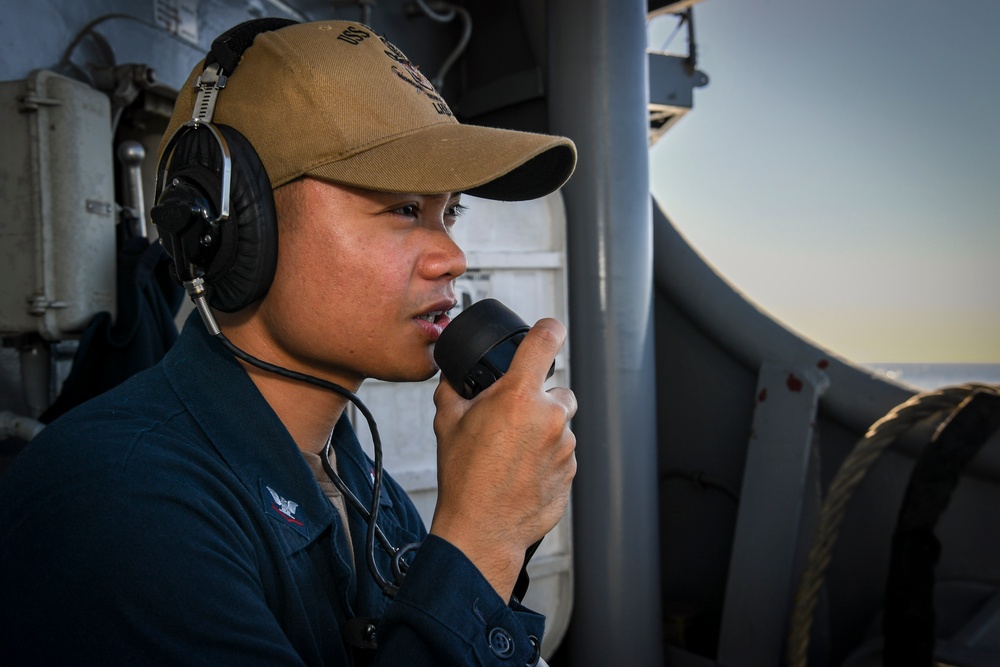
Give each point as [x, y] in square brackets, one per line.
[842, 169]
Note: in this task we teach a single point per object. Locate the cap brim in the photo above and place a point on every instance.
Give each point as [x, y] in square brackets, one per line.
[492, 163]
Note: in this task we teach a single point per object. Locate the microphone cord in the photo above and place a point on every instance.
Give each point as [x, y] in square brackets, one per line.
[399, 565]
[370, 515]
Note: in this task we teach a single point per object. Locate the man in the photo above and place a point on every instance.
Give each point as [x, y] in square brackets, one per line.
[203, 512]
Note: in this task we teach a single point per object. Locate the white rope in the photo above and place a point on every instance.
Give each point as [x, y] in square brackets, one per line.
[936, 405]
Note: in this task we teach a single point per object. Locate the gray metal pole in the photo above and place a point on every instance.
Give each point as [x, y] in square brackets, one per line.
[598, 97]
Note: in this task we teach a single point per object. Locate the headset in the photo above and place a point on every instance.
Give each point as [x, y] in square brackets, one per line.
[214, 206]
[216, 218]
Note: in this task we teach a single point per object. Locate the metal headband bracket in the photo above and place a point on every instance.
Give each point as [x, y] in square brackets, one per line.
[227, 163]
[208, 85]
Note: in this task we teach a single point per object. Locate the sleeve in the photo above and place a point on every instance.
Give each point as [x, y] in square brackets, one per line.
[446, 613]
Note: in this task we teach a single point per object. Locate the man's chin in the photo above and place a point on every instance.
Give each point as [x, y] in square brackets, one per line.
[410, 375]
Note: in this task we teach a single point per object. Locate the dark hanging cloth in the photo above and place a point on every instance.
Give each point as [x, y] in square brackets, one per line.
[109, 353]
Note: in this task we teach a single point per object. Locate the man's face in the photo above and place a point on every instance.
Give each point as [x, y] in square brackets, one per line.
[362, 283]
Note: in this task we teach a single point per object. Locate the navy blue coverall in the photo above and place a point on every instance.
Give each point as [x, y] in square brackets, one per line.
[173, 521]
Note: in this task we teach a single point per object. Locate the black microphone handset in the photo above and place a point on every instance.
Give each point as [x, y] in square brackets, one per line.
[476, 348]
[473, 352]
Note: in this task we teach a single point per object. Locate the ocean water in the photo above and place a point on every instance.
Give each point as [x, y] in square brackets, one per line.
[935, 376]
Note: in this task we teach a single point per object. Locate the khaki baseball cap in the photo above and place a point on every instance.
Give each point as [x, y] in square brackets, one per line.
[337, 101]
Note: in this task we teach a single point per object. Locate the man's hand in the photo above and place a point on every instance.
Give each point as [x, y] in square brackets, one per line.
[505, 460]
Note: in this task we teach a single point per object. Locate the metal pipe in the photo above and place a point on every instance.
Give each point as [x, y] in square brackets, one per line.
[131, 154]
[598, 96]
[35, 377]
[18, 426]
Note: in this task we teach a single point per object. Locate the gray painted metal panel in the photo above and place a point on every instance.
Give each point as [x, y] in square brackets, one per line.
[57, 258]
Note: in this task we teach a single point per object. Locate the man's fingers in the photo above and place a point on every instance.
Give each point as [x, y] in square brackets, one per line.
[445, 394]
[565, 397]
[538, 350]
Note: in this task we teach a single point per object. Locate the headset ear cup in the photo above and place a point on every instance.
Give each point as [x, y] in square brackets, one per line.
[251, 207]
[243, 261]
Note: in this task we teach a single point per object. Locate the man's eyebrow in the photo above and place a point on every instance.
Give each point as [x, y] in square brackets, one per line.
[447, 198]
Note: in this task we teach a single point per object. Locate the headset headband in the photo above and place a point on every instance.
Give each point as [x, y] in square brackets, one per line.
[221, 61]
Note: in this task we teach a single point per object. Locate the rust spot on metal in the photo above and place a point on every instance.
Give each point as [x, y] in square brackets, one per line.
[794, 384]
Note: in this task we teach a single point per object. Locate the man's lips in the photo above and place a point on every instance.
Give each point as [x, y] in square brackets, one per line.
[432, 316]
[434, 321]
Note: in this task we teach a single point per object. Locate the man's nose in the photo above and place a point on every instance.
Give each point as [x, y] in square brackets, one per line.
[445, 259]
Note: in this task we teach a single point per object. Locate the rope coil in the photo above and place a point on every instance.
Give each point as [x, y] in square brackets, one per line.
[933, 405]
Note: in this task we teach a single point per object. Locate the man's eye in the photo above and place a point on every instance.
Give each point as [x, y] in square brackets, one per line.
[456, 211]
[410, 210]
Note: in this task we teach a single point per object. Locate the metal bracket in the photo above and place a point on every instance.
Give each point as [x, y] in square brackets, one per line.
[778, 495]
[208, 85]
